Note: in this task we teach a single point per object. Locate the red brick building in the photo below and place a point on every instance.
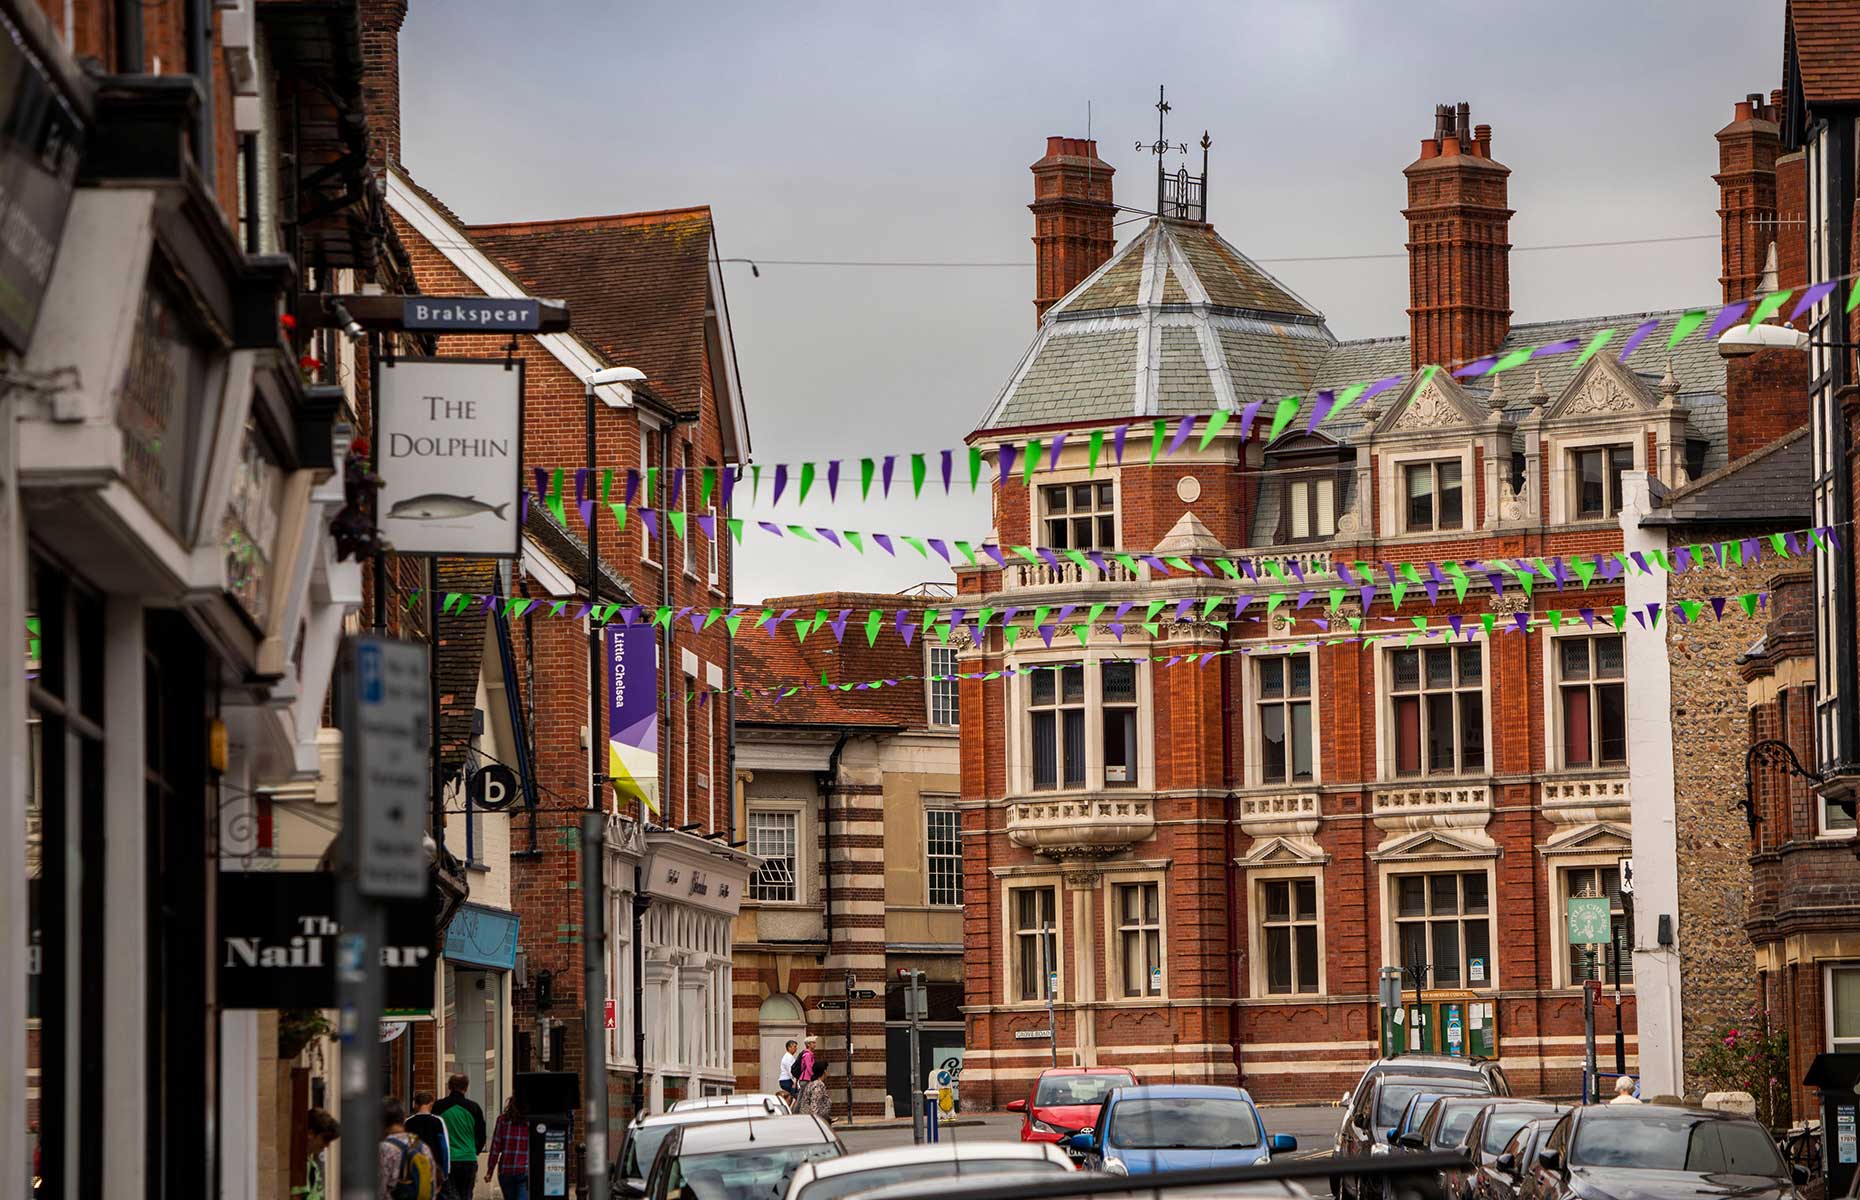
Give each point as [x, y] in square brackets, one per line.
[1219, 859]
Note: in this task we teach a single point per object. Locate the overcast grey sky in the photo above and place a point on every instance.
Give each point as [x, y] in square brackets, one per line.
[889, 131]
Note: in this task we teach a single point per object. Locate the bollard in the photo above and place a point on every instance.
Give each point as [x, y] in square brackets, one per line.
[930, 1116]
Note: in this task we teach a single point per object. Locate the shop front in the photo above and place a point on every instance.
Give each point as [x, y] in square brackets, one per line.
[480, 958]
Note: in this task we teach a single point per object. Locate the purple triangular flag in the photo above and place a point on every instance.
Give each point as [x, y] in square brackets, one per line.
[1751, 549]
[678, 486]
[697, 621]
[586, 509]
[937, 545]
[1123, 608]
[1304, 598]
[708, 524]
[585, 610]
[1052, 457]
[1046, 635]
[993, 551]
[632, 487]
[1117, 442]
[838, 625]
[1640, 560]
[651, 520]
[1640, 618]
[890, 464]
[1811, 297]
[1789, 539]
[1611, 567]
[1588, 616]
[730, 476]
[1638, 336]
[1249, 570]
[1065, 610]
[1181, 610]
[824, 532]
[781, 481]
[770, 526]
[884, 543]
[948, 465]
[1051, 560]
[1246, 417]
[1326, 400]
[1455, 621]
[542, 483]
[1522, 621]
[1117, 630]
[1717, 607]
[1097, 560]
[523, 517]
[1181, 433]
[581, 484]
[1201, 566]
[833, 479]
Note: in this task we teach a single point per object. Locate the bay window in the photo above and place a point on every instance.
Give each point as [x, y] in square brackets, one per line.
[1282, 716]
[1434, 498]
[1592, 695]
[1437, 709]
[1443, 922]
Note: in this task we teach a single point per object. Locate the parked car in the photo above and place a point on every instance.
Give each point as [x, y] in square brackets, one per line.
[644, 1136]
[1507, 1173]
[1653, 1151]
[766, 1101]
[744, 1159]
[1412, 1065]
[934, 1164]
[1446, 1123]
[1006, 1185]
[1492, 1128]
[1383, 1094]
[1176, 1127]
[1066, 1100]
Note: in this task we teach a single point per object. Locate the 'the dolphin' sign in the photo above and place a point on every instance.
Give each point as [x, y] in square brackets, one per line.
[449, 456]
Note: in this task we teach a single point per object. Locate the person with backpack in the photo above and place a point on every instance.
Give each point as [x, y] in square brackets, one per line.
[465, 1133]
[408, 1169]
[433, 1134]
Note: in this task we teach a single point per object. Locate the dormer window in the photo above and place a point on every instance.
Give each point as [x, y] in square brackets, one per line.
[1434, 496]
[1080, 516]
[1304, 487]
[1598, 471]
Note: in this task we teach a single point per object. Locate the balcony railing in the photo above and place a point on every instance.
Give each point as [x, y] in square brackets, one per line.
[1081, 827]
[1066, 574]
[1441, 805]
[1279, 813]
[1584, 800]
[1315, 565]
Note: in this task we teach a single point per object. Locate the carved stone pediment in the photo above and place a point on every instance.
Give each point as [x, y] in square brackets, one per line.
[1438, 403]
[1601, 837]
[1436, 843]
[1285, 851]
[1428, 410]
[1604, 388]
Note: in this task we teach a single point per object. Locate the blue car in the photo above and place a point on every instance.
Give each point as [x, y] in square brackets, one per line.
[1177, 1127]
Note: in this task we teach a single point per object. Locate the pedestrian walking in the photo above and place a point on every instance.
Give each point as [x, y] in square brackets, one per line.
[510, 1153]
[1624, 1090]
[433, 1132]
[785, 1080]
[815, 1100]
[407, 1168]
[322, 1132]
[465, 1134]
[804, 1065]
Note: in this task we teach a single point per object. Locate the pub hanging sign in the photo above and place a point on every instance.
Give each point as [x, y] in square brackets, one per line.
[277, 943]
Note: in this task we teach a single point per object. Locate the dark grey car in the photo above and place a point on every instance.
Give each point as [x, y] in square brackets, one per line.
[1384, 1091]
[1653, 1152]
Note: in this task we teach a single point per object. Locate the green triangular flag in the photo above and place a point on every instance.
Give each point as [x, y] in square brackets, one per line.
[1853, 297]
[755, 482]
[1457, 574]
[555, 498]
[1282, 416]
[1275, 570]
[1273, 600]
[710, 617]
[1156, 439]
[1227, 567]
[677, 519]
[1083, 633]
[852, 537]
[1027, 553]
[1093, 451]
[1336, 598]
[707, 485]
[732, 624]
[1749, 602]
[1356, 624]
[662, 617]
[1011, 633]
[1516, 358]
[1778, 545]
[1217, 420]
[975, 466]
[1097, 610]
[1620, 616]
[1155, 607]
[1209, 605]
[1030, 460]
[619, 511]
[451, 599]
[1128, 563]
[736, 528]
[1039, 615]
[801, 532]
[803, 627]
[1595, 343]
[871, 626]
[968, 551]
[866, 470]
[1345, 398]
[916, 544]
[1554, 618]
[1180, 564]
[1078, 556]
[1685, 325]
[1396, 593]
[1691, 608]
[1766, 308]
[917, 475]
[1485, 619]
[807, 481]
[1584, 568]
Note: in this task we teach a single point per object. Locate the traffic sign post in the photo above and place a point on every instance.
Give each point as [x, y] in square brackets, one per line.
[914, 1013]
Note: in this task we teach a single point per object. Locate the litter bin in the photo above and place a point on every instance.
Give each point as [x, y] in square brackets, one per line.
[1836, 1077]
[548, 1100]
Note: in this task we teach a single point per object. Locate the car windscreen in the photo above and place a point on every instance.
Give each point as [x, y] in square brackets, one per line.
[1058, 1090]
[746, 1173]
[1502, 1124]
[832, 1187]
[1454, 1123]
[1183, 1123]
[642, 1146]
[1395, 1097]
[1675, 1142]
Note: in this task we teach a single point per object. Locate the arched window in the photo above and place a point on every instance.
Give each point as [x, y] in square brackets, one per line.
[781, 1009]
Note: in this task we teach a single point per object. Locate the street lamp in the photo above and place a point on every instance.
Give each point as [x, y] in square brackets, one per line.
[593, 847]
[1741, 340]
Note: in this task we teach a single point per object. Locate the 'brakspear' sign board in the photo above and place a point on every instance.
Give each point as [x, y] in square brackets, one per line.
[450, 456]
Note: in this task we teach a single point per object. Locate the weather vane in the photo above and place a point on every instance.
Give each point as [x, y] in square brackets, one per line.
[1181, 196]
[1162, 145]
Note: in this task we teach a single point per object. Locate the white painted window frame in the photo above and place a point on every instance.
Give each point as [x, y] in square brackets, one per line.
[1257, 879]
[1010, 938]
[1254, 736]
[1020, 730]
[1114, 934]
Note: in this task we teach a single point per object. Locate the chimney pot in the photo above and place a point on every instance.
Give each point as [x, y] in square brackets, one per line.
[1458, 219]
[1482, 134]
[1741, 111]
[1776, 101]
[1462, 124]
[1072, 217]
[1450, 147]
[1430, 148]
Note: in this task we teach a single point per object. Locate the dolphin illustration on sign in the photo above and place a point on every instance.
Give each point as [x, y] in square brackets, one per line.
[436, 506]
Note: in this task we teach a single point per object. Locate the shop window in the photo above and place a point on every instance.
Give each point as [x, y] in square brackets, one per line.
[1434, 498]
[1598, 962]
[1592, 695]
[1282, 718]
[772, 837]
[1289, 935]
[945, 689]
[1436, 708]
[1080, 516]
[1597, 471]
[1443, 923]
[943, 855]
[1139, 938]
[1036, 941]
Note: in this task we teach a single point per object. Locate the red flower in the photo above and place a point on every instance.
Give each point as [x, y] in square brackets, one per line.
[287, 321]
[359, 446]
[310, 362]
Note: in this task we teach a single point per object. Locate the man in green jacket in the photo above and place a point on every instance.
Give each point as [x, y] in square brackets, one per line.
[465, 1134]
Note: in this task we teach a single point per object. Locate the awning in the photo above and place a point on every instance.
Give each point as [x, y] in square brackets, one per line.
[483, 937]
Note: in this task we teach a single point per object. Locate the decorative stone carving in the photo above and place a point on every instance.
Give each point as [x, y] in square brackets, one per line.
[1408, 809]
[1430, 409]
[1507, 604]
[1602, 393]
[1511, 505]
[1081, 827]
[1282, 813]
[1083, 881]
[1586, 801]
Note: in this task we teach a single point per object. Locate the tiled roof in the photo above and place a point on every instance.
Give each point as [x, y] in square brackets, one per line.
[1823, 39]
[1267, 361]
[1769, 486]
[461, 654]
[1080, 375]
[638, 285]
[1230, 278]
[783, 660]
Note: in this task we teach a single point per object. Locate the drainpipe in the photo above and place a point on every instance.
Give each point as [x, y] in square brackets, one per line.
[200, 66]
[1229, 804]
[129, 49]
[826, 852]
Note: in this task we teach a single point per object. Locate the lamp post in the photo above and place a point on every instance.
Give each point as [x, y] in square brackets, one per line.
[1417, 972]
[593, 844]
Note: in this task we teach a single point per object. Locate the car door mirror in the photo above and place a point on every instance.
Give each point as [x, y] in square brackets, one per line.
[629, 1189]
[1017, 1106]
[1550, 1159]
[1086, 1142]
[1411, 1141]
[1345, 1099]
[1506, 1163]
[1283, 1143]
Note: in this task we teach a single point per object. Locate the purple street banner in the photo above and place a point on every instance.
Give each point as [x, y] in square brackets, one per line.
[633, 713]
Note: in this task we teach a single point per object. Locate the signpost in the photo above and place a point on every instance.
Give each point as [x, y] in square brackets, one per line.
[492, 788]
[1031, 1035]
[830, 1005]
[1590, 924]
[914, 1005]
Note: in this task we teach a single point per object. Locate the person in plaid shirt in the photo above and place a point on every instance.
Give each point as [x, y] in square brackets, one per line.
[510, 1152]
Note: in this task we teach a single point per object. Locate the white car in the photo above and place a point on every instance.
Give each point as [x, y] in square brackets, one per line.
[644, 1136]
[835, 1178]
[762, 1100]
[959, 1188]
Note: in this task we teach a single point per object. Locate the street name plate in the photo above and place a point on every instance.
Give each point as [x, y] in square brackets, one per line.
[1029, 1035]
[385, 759]
[829, 1004]
[864, 994]
[471, 314]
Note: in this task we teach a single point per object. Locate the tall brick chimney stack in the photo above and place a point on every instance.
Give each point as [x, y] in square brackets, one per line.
[381, 21]
[1072, 215]
[1746, 178]
[1459, 242]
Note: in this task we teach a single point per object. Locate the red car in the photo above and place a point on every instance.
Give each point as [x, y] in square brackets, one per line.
[1065, 1101]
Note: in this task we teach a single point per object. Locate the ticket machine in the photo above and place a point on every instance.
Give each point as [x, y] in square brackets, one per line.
[548, 1100]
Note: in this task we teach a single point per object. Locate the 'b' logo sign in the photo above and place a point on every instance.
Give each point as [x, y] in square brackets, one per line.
[493, 787]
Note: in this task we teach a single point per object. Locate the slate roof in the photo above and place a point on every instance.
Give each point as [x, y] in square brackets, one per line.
[1822, 37]
[1178, 321]
[766, 662]
[1770, 486]
[637, 283]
